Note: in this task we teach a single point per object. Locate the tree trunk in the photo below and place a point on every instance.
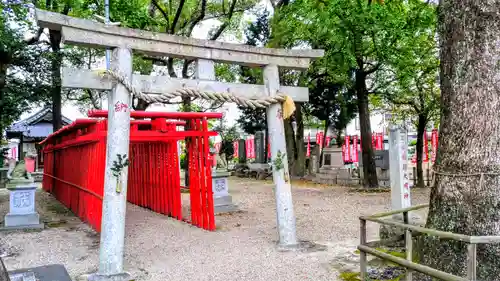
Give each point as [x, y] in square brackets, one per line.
[338, 139]
[300, 155]
[186, 102]
[370, 179]
[141, 105]
[56, 63]
[422, 122]
[325, 131]
[469, 139]
[3, 78]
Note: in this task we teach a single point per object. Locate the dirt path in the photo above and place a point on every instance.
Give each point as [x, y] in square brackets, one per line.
[159, 248]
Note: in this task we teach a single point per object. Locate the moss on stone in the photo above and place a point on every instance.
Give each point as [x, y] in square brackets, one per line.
[354, 276]
[349, 276]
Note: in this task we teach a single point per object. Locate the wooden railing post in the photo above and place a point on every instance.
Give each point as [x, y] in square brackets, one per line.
[362, 255]
[408, 246]
[471, 262]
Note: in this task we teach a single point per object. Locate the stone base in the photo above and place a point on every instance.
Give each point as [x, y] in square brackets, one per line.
[224, 204]
[55, 272]
[302, 246]
[23, 227]
[115, 277]
[388, 231]
[25, 220]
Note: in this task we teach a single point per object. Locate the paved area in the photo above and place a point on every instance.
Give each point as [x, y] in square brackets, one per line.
[243, 248]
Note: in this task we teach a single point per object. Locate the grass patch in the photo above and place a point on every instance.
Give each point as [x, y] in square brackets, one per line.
[58, 208]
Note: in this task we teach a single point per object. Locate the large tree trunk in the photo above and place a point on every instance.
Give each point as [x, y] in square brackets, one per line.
[3, 78]
[370, 179]
[469, 138]
[186, 102]
[323, 141]
[300, 154]
[56, 63]
[422, 122]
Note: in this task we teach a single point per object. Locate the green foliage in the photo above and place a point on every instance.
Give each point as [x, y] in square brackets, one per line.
[256, 34]
[23, 66]
[228, 134]
[119, 164]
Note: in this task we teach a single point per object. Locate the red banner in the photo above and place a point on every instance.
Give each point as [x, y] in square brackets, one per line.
[343, 153]
[327, 140]
[319, 139]
[251, 146]
[235, 147]
[426, 147]
[308, 152]
[374, 141]
[434, 144]
[355, 148]
[217, 147]
[347, 150]
[268, 149]
[380, 141]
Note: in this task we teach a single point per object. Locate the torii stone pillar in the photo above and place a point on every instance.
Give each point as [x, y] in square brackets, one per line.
[92, 34]
[114, 203]
[281, 178]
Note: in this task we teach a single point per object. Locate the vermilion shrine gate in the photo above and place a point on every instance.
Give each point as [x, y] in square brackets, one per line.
[123, 83]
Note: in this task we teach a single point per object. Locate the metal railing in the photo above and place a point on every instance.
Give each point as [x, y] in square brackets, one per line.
[408, 263]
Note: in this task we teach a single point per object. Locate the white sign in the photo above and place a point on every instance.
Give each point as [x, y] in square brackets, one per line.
[404, 171]
[398, 165]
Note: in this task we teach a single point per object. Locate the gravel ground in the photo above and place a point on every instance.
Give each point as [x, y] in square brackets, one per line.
[243, 248]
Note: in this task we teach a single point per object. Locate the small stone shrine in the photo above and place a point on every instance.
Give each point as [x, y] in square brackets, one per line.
[22, 212]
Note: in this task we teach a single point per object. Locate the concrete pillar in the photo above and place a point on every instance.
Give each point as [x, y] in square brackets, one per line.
[284, 204]
[398, 154]
[115, 189]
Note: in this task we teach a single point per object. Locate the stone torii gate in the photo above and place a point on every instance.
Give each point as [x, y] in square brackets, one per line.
[89, 33]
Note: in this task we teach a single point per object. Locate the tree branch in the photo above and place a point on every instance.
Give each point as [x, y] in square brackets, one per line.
[198, 19]
[226, 23]
[177, 16]
[162, 11]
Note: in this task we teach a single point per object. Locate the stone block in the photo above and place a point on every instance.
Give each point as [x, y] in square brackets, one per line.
[22, 212]
[223, 201]
[388, 231]
[55, 272]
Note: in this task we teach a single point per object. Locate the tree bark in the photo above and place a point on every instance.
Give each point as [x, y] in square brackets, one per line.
[300, 154]
[422, 122]
[325, 131]
[370, 179]
[3, 78]
[469, 138]
[56, 63]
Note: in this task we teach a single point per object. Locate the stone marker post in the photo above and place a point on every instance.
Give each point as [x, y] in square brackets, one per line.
[398, 150]
[260, 151]
[283, 190]
[115, 186]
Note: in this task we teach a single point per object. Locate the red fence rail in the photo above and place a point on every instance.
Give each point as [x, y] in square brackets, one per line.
[75, 158]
